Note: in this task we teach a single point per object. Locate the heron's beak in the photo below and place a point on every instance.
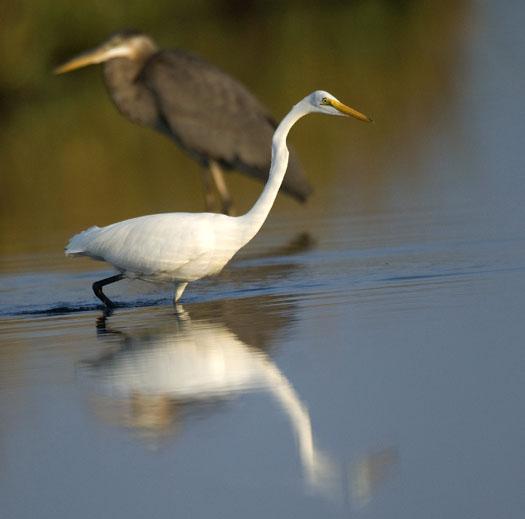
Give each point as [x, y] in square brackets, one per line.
[89, 57]
[346, 110]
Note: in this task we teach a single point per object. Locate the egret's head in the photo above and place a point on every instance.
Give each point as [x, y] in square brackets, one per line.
[326, 103]
[125, 44]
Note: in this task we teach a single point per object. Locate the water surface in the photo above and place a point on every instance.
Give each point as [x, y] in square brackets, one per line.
[362, 357]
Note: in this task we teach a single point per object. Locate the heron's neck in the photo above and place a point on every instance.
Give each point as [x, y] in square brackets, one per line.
[252, 221]
[131, 96]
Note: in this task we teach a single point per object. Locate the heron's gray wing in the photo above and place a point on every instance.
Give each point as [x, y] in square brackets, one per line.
[214, 117]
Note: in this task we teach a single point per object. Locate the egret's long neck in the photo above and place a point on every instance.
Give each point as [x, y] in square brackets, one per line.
[252, 221]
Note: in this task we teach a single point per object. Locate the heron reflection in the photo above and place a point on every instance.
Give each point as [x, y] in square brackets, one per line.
[155, 376]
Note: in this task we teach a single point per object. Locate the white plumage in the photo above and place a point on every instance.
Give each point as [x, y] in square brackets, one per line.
[184, 247]
[172, 247]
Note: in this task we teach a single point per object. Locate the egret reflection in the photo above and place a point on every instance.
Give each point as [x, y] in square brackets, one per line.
[151, 378]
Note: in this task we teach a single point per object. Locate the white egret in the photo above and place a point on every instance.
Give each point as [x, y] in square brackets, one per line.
[183, 247]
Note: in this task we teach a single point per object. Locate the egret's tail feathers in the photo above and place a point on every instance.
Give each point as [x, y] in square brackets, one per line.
[80, 242]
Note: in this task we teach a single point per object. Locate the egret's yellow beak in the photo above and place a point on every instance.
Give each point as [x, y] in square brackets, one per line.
[89, 57]
[346, 110]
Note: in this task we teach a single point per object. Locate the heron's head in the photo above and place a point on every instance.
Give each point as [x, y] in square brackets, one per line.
[325, 103]
[132, 45]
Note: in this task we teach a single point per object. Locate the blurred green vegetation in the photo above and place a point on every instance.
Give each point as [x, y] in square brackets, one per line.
[69, 160]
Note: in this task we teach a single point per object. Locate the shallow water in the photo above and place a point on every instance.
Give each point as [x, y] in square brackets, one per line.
[362, 357]
[321, 384]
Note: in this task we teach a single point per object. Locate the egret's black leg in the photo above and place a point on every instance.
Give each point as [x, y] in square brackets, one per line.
[97, 288]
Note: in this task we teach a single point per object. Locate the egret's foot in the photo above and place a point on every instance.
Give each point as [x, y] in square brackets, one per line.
[101, 321]
[180, 313]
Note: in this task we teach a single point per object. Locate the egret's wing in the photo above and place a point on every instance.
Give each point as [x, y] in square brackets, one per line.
[214, 117]
[149, 245]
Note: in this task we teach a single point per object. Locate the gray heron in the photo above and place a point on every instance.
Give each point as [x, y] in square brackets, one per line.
[213, 117]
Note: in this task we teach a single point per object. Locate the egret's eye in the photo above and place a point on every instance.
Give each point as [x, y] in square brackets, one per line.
[324, 101]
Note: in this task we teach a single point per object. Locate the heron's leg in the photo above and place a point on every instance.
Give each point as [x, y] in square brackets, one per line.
[97, 288]
[209, 197]
[178, 292]
[222, 189]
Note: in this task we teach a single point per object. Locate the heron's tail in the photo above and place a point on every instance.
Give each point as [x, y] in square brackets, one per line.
[79, 243]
